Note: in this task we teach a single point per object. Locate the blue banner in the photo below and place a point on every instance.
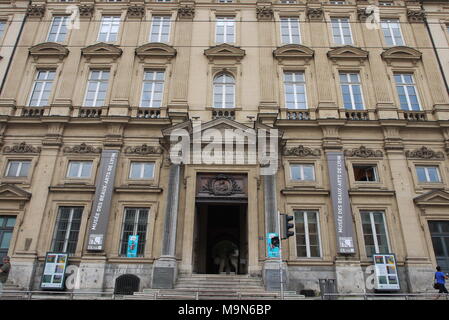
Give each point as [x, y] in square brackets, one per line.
[273, 243]
[132, 246]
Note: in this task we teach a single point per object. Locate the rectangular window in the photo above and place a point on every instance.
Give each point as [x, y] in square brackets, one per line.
[295, 90]
[2, 28]
[307, 233]
[374, 232]
[141, 170]
[225, 30]
[302, 172]
[18, 168]
[406, 88]
[385, 3]
[336, 2]
[135, 223]
[365, 173]
[225, 1]
[109, 28]
[341, 31]
[152, 89]
[290, 32]
[6, 230]
[391, 29]
[97, 86]
[439, 231]
[163, 0]
[351, 91]
[160, 29]
[68, 222]
[79, 169]
[41, 88]
[58, 29]
[288, 1]
[429, 174]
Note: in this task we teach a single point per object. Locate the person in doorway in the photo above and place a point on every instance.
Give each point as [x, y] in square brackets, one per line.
[440, 280]
[234, 258]
[221, 253]
[4, 272]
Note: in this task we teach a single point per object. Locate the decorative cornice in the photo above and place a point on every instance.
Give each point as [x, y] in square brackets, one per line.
[401, 53]
[264, 13]
[49, 49]
[82, 148]
[156, 49]
[224, 51]
[86, 10]
[186, 12]
[136, 11]
[315, 13]
[143, 150]
[293, 51]
[424, 153]
[348, 52]
[364, 152]
[221, 185]
[301, 151]
[21, 148]
[102, 50]
[36, 10]
[414, 15]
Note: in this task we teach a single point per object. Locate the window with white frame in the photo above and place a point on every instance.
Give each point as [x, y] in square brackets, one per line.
[386, 3]
[18, 168]
[341, 31]
[135, 223]
[224, 91]
[290, 30]
[336, 2]
[406, 89]
[351, 90]
[391, 29]
[225, 1]
[41, 88]
[68, 223]
[79, 169]
[374, 232]
[109, 28]
[97, 86]
[365, 172]
[152, 89]
[163, 0]
[295, 90]
[160, 29]
[225, 30]
[307, 234]
[288, 1]
[58, 29]
[141, 170]
[428, 174]
[302, 172]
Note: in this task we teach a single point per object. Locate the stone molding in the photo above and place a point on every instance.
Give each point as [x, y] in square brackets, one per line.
[424, 153]
[82, 148]
[22, 147]
[364, 152]
[301, 151]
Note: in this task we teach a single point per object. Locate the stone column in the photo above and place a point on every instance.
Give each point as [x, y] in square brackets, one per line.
[165, 268]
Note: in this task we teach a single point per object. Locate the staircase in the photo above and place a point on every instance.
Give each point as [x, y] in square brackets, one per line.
[214, 287]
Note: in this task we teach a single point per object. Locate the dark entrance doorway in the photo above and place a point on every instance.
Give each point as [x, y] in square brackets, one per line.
[221, 228]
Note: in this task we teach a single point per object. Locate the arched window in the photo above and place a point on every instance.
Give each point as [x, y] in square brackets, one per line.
[224, 91]
[126, 284]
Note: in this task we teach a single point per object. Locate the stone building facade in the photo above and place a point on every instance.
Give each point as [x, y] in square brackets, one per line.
[133, 73]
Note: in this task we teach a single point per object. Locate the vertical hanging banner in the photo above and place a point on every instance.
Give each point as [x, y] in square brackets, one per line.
[340, 202]
[133, 242]
[102, 202]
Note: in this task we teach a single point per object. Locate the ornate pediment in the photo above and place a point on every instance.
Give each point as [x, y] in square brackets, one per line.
[301, 151]
[347, 53]
[156, 50]
[293, 51]
[401, 53]
[102, 50]
[424, 153]
[143, 150]
[10, 192]
[434, 197]
[224, 51]
[21, 148]
[82, 149]
[364, 152]
[48, 49]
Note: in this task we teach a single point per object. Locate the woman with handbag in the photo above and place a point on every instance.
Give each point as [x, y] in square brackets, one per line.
[440, 280]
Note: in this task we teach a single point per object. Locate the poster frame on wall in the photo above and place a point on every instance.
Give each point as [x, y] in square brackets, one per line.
[48, 265]
[385, 287]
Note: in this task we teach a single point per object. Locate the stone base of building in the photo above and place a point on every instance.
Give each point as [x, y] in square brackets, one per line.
[164, 273]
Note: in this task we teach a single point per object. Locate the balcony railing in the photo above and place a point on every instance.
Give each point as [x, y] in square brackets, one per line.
[357, 115]
[88, 112]
[298, 115]
[229, 114]
[415, 115]
[148, 113]
[32, 112]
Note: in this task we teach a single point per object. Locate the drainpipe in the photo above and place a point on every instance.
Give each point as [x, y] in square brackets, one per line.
[14, 50]
[435, 50]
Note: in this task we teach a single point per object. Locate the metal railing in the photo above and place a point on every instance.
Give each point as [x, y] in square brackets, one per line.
[61, 295]
[384, 296]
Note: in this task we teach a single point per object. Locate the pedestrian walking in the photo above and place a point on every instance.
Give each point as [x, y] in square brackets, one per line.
[440, 280]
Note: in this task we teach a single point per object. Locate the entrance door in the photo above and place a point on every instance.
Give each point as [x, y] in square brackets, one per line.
[439, 231]
[221, 239]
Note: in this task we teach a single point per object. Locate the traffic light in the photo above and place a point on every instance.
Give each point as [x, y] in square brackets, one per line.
[287, 230]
